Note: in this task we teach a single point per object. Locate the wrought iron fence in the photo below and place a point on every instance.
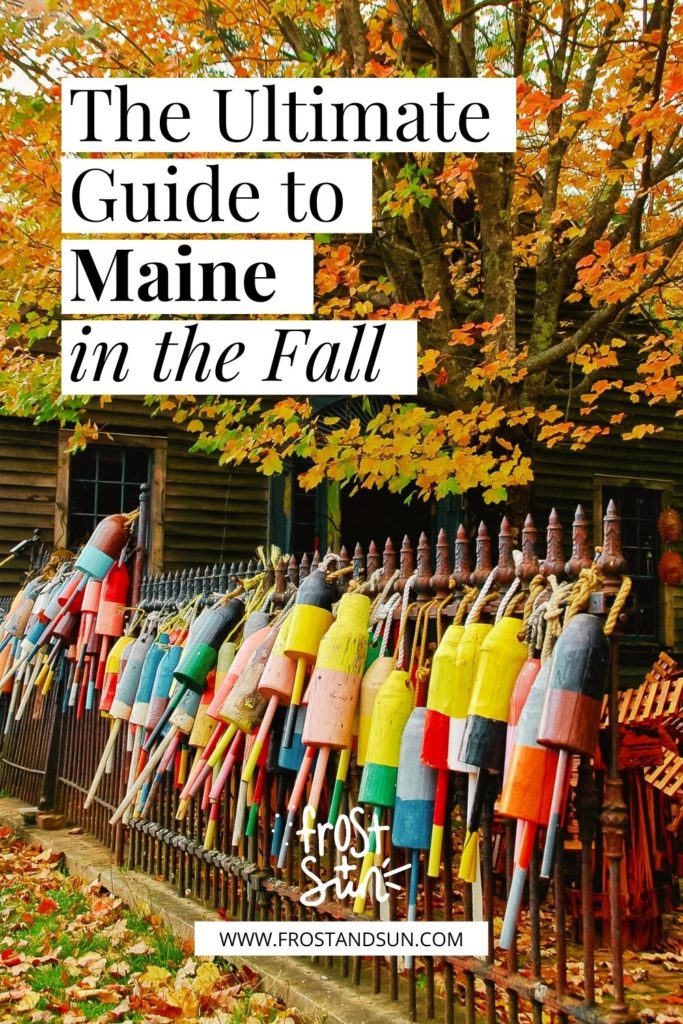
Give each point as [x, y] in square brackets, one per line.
[240, 877]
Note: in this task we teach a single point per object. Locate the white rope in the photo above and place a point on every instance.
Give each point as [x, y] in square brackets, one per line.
[509, 593]
[481, 599]
[377, 610]
[391, 604]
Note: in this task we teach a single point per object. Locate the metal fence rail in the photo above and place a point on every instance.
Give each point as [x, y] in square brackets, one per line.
[242, 880]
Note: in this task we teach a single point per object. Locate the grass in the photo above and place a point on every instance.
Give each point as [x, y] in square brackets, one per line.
[99, 956]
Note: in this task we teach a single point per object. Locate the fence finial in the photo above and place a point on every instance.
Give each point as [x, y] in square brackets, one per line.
[462, 568]
[482, 566]
[611, 562]
[441, 578]
[553, 563]
[581, 555]
[529, 566]
[505, 569]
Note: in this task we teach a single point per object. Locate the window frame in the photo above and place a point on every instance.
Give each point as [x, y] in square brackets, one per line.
[601, 486]
[158, 447]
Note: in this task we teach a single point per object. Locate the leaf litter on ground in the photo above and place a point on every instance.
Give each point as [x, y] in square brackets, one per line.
[71, 952]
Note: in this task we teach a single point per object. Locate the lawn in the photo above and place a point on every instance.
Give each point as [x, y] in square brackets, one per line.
[71, 952]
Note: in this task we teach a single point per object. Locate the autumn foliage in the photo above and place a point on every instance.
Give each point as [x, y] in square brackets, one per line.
[545, 282]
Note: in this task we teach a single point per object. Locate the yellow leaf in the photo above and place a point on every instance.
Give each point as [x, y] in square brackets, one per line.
[206, 978]
[154, 976]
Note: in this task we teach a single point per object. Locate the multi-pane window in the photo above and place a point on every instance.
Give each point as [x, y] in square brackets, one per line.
[639, 508]
[104, 479]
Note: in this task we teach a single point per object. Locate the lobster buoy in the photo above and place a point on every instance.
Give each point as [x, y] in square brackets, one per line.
[161, 688]
[203, 725]
[571, 711]
[441, 705]
[375, 675]
[111, 612]
[527, 792]
[275, 686]
[94, 561]
[143, 696]
[483, 743]
[226, 656]
[520, 692]
[129, 679]
[393, 705]
[104, 546]
[231, 663]
[440, 700]
[244, 705]
[311, 618]
[113, 597]
[255, 622]
[83, 679]
[180, 722]
[242, 710]
[21, 608]
[150, 669]
[465, 672]
[415, 788]
[200, 655]
[122, 704]
[336, 679]
[229, 667]
[332, 697]
[502, 656]
[415, 796]
[113, 666]
[373, 678]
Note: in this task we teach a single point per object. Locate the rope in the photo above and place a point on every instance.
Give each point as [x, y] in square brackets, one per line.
[405, 609]
[416, 634]
[386, 623]
[536, 588]
[553, 615]
[589, 580]
[507, 597]
[439, 611]
[619, 602]
[468, 598]
[535, 631]
[422, 673]
[481, 600]
[378, 603]
[514, 604]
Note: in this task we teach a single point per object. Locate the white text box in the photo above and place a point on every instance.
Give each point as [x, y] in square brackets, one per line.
[239, 357]
[194, 196]
[306, 115]
[238, 277]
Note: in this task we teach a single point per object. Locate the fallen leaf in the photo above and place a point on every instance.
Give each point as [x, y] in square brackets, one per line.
[140, 948]
[47, 906]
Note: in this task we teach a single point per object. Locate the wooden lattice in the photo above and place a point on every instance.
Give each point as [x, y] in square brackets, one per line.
[667, 776]
[658, 698]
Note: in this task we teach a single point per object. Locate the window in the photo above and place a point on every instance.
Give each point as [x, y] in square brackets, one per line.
[103, 479]
[639, 508]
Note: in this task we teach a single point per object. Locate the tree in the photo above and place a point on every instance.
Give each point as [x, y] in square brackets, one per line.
[542, 279]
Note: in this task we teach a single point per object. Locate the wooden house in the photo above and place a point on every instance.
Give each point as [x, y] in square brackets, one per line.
[200, 513]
